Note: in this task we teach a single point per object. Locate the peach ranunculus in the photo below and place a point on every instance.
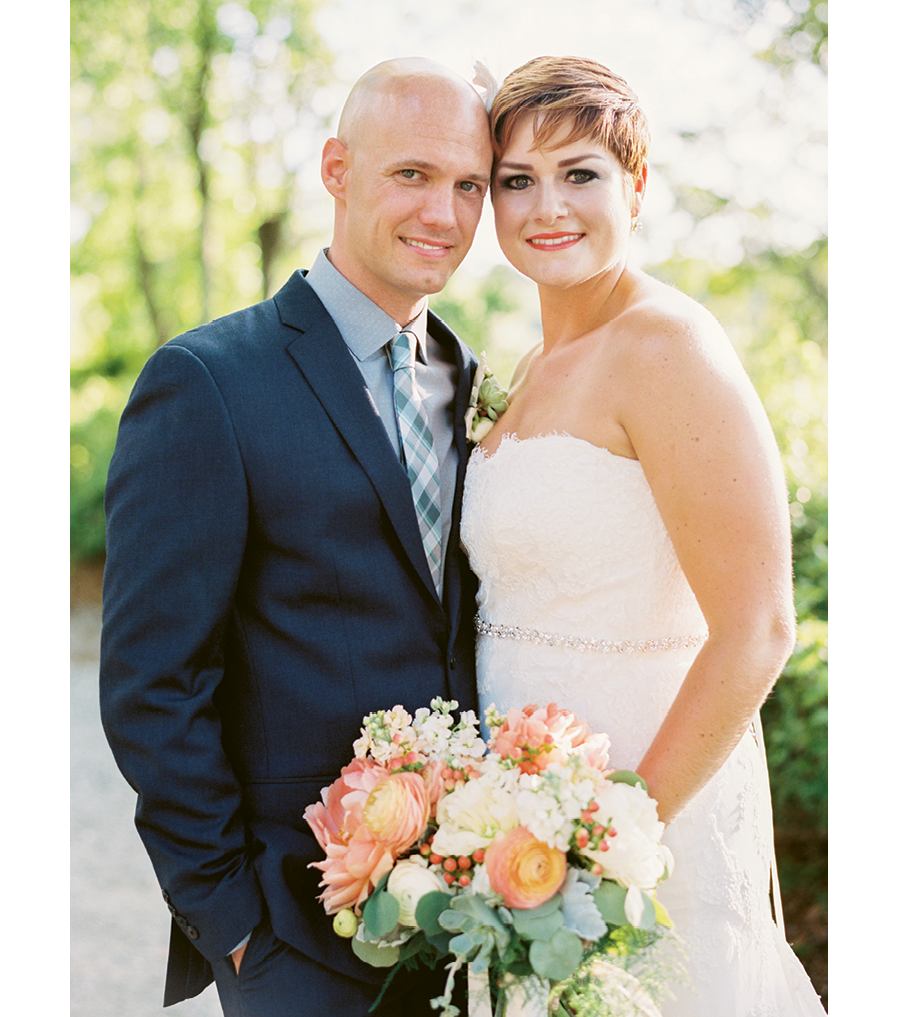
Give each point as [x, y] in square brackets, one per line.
[365, 819]
[396, 811]
[524, 870]
[536, 736]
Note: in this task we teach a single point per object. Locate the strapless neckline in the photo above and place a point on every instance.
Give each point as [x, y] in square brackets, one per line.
[511, 440]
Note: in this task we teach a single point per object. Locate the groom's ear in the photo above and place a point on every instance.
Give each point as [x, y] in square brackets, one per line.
[334, 166]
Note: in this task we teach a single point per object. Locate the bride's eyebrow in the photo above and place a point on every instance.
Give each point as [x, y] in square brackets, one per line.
[564, 163]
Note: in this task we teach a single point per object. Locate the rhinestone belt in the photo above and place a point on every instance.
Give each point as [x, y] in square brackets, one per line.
[485, 628]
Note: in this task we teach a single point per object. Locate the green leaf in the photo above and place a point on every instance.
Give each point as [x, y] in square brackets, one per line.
[381, 912]
[628, 777]
[428, 911]
[376, 956]
[557, 958]
[609, 897]
[541, 922]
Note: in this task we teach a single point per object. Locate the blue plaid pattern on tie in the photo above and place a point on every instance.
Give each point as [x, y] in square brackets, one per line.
[418, 453]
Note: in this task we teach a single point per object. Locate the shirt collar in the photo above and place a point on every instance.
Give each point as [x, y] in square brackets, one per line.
[365, 327]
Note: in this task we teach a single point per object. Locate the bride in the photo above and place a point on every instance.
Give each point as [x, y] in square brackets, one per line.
[628, 521]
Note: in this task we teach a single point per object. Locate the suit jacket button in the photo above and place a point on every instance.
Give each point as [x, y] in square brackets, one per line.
[166, 897]
[192, 932]
[171, 908]
[452, 662]
[182, 921]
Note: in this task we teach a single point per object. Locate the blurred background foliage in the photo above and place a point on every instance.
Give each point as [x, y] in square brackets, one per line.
[192, 195]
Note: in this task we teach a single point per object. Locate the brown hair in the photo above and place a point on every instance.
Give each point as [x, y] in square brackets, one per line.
[578, 98]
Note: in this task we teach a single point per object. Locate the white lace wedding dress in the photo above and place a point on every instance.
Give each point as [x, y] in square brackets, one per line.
[571, 551]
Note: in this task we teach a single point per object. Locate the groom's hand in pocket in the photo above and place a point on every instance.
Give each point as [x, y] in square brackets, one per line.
[237, 957]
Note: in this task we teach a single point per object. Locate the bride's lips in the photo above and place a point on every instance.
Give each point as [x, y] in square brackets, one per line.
[427, 248]
[554, 241]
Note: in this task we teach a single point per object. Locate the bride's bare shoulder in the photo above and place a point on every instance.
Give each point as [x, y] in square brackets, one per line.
[662, 323]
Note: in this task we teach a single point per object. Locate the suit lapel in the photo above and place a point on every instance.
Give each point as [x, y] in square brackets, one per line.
[329, 368]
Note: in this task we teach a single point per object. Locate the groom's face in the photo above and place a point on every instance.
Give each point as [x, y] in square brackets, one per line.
[410, 199]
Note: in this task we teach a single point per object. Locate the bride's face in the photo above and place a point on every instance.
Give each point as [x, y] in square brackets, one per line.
[562, 214]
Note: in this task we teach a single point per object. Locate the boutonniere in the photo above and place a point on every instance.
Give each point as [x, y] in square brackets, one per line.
[488, 400]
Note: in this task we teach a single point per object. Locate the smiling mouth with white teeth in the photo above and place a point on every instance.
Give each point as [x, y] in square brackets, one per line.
[554, 242]
[425, 246]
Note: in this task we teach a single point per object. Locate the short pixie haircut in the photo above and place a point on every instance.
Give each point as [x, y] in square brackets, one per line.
[577, 98]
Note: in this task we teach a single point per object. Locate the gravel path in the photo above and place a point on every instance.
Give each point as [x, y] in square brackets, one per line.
[119, 923]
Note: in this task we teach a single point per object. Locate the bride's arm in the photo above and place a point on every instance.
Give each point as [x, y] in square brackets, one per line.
[710, 457]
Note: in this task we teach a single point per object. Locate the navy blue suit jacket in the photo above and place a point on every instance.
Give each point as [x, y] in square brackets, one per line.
[265, 588]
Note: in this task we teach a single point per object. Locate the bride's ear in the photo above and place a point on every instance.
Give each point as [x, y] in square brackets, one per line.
[639, 185]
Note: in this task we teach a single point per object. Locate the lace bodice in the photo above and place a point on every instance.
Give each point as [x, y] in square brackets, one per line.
[563, 533]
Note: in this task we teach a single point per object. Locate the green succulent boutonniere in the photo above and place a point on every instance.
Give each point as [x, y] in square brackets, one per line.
[488, 400]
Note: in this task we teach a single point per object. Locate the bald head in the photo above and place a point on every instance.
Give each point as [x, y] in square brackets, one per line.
[404, 81]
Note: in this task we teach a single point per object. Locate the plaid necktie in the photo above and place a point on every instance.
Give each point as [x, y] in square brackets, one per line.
[418, 453]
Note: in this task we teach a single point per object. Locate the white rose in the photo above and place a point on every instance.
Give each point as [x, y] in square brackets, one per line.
[635, 855]
[469, 817]
[409, 881]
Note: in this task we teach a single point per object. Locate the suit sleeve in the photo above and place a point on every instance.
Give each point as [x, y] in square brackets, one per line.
[177, 509]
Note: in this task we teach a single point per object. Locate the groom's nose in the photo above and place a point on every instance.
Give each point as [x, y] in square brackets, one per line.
[438, 211]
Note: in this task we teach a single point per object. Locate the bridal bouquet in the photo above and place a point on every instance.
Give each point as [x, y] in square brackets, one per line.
[525, 858]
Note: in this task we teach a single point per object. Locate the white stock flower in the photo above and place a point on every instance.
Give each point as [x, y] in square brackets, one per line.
[409, 881]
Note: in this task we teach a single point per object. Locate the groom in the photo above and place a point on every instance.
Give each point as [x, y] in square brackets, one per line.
[283, 555]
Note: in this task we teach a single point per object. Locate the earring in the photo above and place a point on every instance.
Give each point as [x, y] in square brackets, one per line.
[635, 224]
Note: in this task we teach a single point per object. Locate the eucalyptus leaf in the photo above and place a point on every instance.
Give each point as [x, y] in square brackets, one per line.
[543, 925]
[556, 958]
[609, 897]
[381, 912]
[376, 956]
[428, 911]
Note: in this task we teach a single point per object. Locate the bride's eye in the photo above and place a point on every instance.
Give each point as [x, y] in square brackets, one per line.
[581, 176]
[517, 183]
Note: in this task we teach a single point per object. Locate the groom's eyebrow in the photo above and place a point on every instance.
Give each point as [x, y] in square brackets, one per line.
[432, 167]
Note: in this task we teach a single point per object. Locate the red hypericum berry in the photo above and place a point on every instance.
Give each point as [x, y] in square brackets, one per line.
[464, 862]
[450, 879]
[478, 855]
[436, 859]
[450, 864]
[464, 880]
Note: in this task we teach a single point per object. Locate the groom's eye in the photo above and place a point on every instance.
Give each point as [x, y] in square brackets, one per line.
[409, 174]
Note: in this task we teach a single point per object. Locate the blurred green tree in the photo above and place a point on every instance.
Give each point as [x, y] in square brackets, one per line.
[190, 120]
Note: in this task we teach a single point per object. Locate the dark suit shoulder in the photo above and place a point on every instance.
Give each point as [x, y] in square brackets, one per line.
[251, 330]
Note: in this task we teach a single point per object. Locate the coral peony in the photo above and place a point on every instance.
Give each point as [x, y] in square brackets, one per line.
[339, 814]
[365, 819]
[351, 871]
[524, 870]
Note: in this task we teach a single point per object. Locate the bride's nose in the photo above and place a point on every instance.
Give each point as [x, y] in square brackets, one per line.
[549, 205]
